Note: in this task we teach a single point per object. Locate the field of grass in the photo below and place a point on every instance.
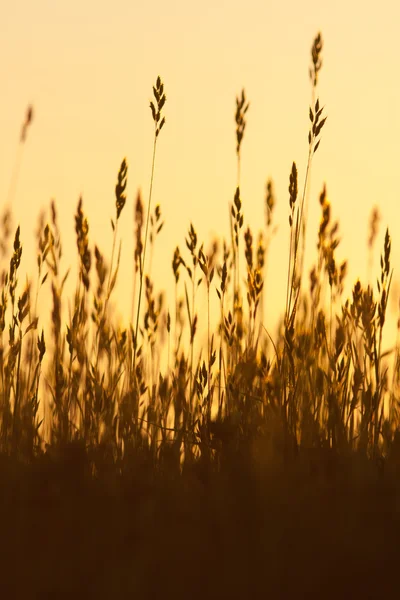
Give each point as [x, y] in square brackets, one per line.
[249, 466]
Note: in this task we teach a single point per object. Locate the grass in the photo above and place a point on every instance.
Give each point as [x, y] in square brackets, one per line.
[250, 455]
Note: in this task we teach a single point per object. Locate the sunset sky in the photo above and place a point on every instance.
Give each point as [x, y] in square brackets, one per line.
[88, 69]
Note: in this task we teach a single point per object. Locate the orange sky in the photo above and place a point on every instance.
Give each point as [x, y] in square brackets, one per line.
[88, 69]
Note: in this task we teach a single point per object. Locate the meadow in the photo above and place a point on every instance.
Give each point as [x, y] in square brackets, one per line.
[135, 463]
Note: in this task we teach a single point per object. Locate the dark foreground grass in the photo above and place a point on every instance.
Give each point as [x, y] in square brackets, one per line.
[231, 533]
[250, 467]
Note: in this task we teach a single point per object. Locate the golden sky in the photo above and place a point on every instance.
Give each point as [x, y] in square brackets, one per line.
[88, 68]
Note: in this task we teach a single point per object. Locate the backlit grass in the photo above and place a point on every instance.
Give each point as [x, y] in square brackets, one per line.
[192, 462]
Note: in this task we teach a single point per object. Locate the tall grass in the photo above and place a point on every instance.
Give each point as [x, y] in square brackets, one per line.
[240, 460]
[324, 382]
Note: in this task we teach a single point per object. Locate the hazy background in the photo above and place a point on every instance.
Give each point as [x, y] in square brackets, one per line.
[88, 69]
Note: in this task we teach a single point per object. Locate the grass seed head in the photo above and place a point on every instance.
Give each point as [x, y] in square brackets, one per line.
[120, 188]
[241, 109]
[316, 59]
